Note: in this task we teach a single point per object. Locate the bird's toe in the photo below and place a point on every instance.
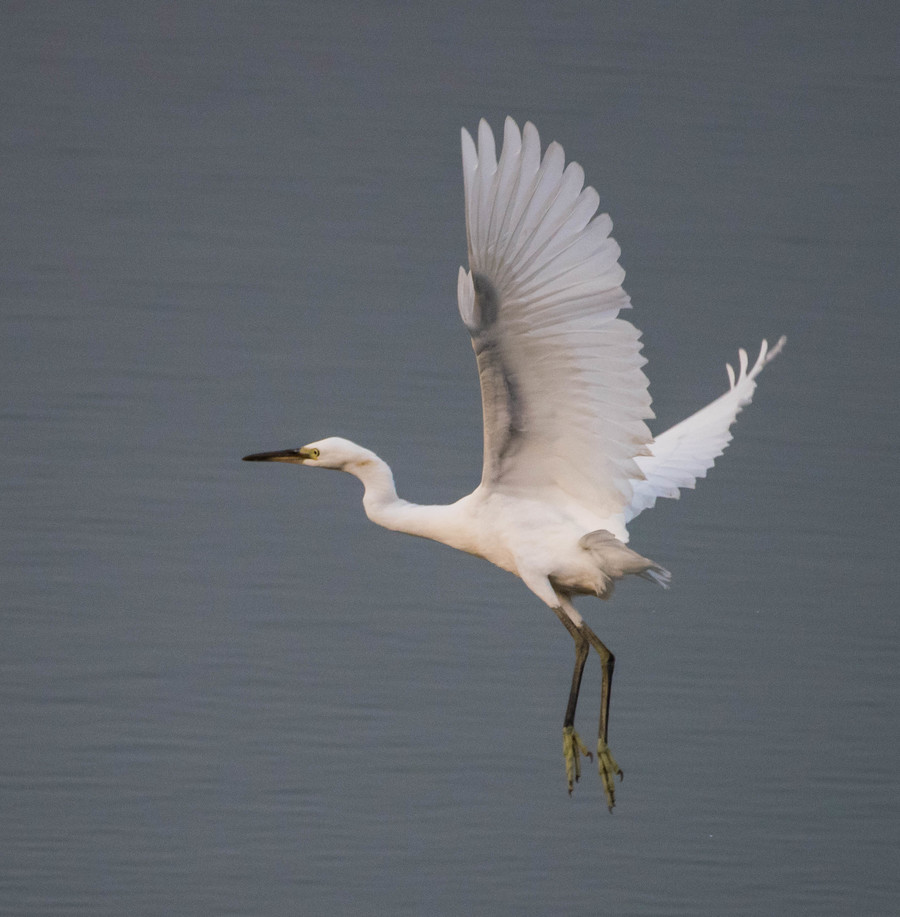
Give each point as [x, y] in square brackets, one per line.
[608, 768]
[573, 749]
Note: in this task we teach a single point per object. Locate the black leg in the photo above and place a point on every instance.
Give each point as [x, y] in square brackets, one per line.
[607, 664]
[573, 747]
[582, 648]
[606, 763]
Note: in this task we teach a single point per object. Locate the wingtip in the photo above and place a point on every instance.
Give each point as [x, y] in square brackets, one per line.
[766, 355]
[487, 151]
[774, 351]
[512, 138]
[469, 153]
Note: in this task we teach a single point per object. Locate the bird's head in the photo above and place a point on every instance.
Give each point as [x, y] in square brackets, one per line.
[333, 452]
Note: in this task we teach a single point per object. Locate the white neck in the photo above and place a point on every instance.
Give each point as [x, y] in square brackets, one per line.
[385, 508]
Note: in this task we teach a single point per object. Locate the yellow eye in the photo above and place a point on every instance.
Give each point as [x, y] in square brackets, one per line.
[314, 453]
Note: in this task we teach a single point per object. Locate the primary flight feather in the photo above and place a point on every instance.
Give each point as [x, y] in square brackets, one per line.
[568, 457]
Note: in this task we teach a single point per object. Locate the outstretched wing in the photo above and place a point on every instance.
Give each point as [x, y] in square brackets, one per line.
[562, 389]
[688, 450]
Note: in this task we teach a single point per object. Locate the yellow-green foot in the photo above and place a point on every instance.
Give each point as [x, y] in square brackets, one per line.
[606, 765]
[573, 749]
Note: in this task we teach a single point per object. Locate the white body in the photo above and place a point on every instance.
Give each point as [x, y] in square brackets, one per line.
[534, 540]
[568, 457]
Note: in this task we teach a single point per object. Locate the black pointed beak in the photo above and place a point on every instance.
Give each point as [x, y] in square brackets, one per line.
[283, 455]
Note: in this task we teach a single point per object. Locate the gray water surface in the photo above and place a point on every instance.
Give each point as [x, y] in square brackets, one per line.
[233, 227]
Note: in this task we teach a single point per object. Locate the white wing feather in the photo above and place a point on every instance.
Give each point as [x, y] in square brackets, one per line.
[688, 450]
[563, 393]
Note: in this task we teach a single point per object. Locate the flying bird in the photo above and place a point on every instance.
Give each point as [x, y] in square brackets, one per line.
[568, 458]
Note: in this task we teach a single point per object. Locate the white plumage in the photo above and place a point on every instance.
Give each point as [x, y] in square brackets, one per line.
[568, 457]
[687, 451]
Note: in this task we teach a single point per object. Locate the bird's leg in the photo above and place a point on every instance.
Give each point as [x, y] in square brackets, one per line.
[606, 763]
[573, 747]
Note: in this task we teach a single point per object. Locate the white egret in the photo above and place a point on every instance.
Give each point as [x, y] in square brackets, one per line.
[568, 457]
